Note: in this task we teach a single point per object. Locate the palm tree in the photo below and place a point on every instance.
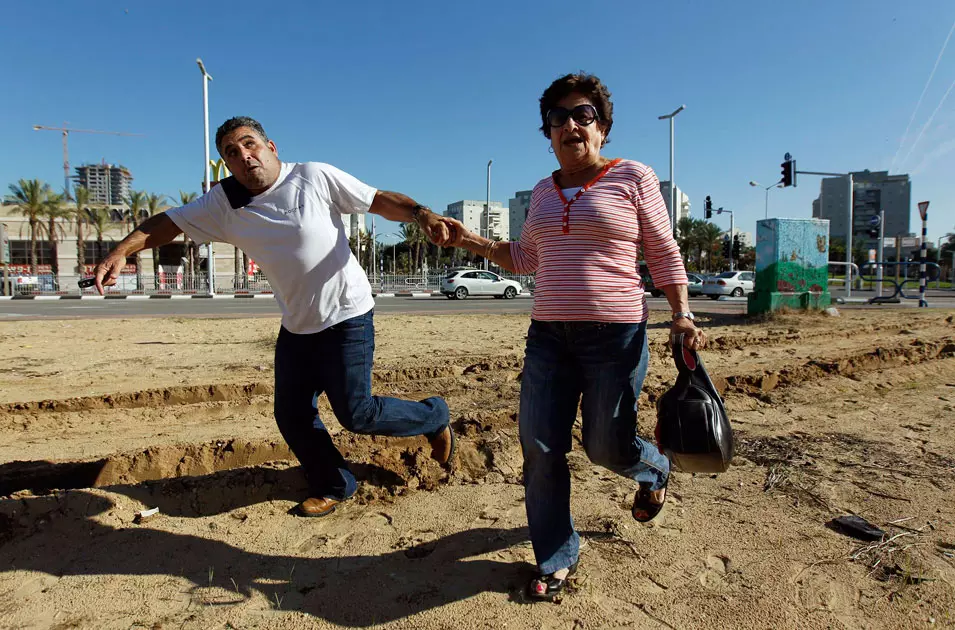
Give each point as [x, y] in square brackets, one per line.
[99, 219]
[708, 236]
[137, 204]
[55, 209]
[415, 238]
[81, 197]
[155, 203]
[192, 253]
[687, 232]
[31, 197]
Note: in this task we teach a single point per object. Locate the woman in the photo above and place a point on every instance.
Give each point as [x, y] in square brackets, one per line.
[587, 342]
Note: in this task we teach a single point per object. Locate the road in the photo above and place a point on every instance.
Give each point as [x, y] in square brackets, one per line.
[12, 310]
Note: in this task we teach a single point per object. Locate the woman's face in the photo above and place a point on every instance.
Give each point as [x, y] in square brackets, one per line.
[576, 144]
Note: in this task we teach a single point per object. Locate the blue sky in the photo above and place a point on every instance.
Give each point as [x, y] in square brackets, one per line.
[417, 96]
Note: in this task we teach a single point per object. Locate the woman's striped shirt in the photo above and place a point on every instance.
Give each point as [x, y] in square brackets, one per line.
[586, 255]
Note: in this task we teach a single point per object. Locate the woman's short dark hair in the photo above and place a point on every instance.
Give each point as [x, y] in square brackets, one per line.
[234, 123]
[580, 83]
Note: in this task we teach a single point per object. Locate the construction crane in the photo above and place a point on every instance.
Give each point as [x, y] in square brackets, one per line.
[66, 152]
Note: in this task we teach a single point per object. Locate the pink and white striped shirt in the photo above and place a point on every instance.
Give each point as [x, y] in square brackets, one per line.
[586, 256]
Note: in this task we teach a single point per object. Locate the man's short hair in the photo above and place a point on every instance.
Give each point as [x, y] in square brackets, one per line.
[234, 123]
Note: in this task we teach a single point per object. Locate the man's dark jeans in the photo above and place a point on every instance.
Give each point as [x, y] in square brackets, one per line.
[338, 361]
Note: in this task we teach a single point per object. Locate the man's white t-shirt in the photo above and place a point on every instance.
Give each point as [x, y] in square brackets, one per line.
[296, 233]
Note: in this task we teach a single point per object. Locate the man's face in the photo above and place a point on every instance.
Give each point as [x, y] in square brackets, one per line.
[253, 161]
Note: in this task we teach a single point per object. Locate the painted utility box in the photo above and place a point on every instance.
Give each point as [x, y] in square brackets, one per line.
[792, 265]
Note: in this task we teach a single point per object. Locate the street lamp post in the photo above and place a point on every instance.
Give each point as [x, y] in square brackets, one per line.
[487, 208]
[767, 189]
[394, 253]
[673, 211]
[206, 77]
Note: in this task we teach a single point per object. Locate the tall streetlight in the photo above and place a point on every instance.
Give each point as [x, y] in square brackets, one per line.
[487, 208]
[673, 211]
[206, 77]
[767, 188]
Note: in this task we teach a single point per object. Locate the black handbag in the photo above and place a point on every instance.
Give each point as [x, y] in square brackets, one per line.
[692, 426]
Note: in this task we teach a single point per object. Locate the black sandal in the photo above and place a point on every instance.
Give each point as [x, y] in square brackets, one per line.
[642, 501]
[546, 587]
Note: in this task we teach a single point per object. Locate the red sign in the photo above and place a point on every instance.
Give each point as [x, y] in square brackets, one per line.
[923, 209]
[25, 270]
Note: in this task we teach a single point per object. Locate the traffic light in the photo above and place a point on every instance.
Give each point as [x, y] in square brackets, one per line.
[789, 172]
[737, 247]
[873, 232]
[709, 207]
[726, 248]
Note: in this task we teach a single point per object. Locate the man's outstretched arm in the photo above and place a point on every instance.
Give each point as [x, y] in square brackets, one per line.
[155, 231]
[397, 207]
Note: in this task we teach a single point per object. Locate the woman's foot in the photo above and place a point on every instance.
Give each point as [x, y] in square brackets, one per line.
[648, 503]
[547, 586]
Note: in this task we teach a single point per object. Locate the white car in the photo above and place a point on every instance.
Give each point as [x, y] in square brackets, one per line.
[733, 283]
[460, 284]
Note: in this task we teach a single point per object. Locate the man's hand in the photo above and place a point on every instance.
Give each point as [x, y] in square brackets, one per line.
[107, 271]
[457, 231]
[436, 229]
[693, 337]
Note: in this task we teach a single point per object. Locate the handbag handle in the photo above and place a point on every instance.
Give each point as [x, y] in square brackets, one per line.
[685, 358]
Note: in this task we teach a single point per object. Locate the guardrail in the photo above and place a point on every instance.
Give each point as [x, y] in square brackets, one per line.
[225, 284]
[888, 278]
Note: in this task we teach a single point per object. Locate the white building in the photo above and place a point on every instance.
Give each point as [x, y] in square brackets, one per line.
[682, 201]
[355, 225]
[518, 207]
[493, 224]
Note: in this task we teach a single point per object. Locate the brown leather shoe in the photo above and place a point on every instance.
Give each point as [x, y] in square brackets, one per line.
[317, 507]
[443, 446]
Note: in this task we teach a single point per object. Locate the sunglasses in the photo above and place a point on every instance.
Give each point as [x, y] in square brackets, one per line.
[583, 115]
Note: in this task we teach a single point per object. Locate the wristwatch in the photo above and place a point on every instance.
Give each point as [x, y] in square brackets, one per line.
[687, 314]
[417, 210]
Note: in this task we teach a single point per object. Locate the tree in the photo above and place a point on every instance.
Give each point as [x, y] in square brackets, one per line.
[55, 209]
[708, 239]
[192, 251]
[137, 204]
[99, 219]
[31, 197]
[155, 204]
[415, 238]
[81, 199]
[687, 229]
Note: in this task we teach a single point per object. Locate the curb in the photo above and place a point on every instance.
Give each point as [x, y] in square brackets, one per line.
[203, 296]
[123, 296]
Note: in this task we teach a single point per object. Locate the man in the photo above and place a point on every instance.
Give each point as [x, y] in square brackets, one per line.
[290, 217]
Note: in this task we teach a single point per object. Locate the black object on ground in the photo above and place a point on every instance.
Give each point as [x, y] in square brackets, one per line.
[857, 527]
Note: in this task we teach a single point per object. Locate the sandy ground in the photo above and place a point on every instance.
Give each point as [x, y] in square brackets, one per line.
[833, 415]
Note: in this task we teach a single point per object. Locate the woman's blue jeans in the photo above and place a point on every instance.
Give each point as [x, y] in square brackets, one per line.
[600, 367]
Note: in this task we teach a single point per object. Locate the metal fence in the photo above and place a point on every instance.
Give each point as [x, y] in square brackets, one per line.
[225, 284]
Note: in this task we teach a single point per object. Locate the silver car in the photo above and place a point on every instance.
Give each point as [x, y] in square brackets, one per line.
[732, 283]
[460, 284]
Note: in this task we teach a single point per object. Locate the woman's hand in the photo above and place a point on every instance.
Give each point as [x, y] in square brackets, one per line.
[457, 230]
[693, 338]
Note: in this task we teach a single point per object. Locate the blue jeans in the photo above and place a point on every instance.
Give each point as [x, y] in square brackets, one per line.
[600, 366]
[338, 361]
